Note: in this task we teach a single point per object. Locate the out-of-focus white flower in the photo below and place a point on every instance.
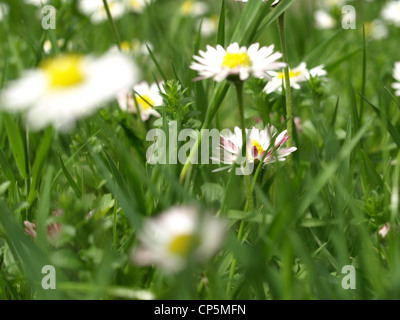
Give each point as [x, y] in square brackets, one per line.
[391, 12]
[67, 88]
[297, 75]
[330, 4]
[209, 26]
[177, 234]
[193, 8]
[146, 97]
[95, 9]
[4, 9]
[323, 20]
[240, 62]
[135, 47]
[48, 47]
[37, 2]
[396, 75]
[384, 230]
[376, 30]
[137, 5]
[266, 143]
[274, 2]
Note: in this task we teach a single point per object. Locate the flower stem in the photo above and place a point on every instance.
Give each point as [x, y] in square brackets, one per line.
[239, 93]
[288, 88]
[249, 194]
[112, 24]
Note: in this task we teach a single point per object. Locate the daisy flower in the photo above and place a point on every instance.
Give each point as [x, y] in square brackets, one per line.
[193, 8]
[177, 234]
[297, 75]
[260, 144]
[323, 20]
[391, 12]
[95, 9]
[273, 4]
[53, 228]
[236, 62]
[209, 26]
[396, 75]
[376, 30]
[48, 47]
[37, 2]
[384, 230]
[4, 9]
[137, 6]
[146, 97]
[67, 88]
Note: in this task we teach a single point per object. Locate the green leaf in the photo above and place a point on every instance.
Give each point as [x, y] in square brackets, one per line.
[212, 191]
[103, 205]
[71, 181]
[16, 143]
[386, 121]
[40, 160]
[221, 25]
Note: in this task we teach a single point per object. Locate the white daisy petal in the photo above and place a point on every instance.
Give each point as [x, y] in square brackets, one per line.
[69, 87]
[236, 61]
[178, 233]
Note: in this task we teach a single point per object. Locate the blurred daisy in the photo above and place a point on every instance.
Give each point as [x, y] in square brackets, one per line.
[333, 3]
[209, 26]
[37, 2]
[261, 143]
[376, 30]
[4, 9]
[236, 62]
[297, 75]
[146, 98]
[391, 12]
[135, 47]
[193, 8]
[323, 20]
[384, 230]
[53, 228]
[274, 2]
[177, 234]
[67, 88]
[48, 47]
[95, 9]
[396, 75]
[137, 5]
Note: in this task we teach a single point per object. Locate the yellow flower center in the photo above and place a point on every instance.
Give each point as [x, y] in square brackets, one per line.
[182, 244]
[187, 7]
[111, 7]
[135, 4]
[144, 101]
[368, 27]
[126, 46]
[292, 74]
[215, 20]
[234, 60]
[64, 71]
[258, 146]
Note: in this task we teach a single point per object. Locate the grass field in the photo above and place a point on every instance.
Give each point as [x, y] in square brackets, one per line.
[79, 194]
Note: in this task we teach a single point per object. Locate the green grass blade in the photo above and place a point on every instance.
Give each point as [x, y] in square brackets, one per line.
[17, 144]
[71, 181]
